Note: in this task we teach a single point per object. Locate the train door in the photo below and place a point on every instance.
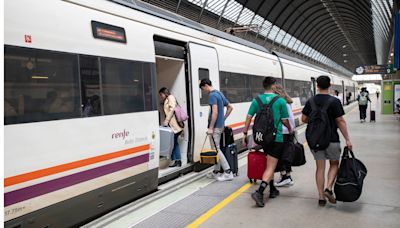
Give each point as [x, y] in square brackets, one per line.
[343, 93]
[203, 64]
[314, 87]
[171, 74]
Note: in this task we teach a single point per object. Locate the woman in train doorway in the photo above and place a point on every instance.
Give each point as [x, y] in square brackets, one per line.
[169, 102]
[286, 179]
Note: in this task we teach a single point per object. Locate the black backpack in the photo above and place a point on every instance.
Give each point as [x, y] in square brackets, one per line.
[318, 132]
[264, 130]
[350, 178]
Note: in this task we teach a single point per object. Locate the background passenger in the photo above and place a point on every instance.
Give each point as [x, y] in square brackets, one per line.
[216, 124]
[363, 99]
[274, 150]
[170, 103]
[335, 93]
[335, 114]
[92, 108]
[286, 179]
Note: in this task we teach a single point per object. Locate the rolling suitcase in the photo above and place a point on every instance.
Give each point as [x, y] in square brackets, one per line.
[256, 165]
[227, 137]
[166, 141]
[372, 116]
[229, 149]
[231, 155]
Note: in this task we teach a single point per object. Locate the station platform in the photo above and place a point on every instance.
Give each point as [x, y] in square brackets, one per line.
[203, 202]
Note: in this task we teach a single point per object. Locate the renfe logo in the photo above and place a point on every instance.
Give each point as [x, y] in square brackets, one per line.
[122, 134]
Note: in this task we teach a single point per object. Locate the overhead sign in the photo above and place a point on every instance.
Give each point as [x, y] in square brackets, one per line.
[376, 69]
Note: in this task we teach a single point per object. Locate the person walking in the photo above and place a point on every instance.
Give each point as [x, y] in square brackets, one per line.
[273, 151]
[324, 106]
[286, 178]
[363, 99]
[216, 124]
[335, 93]
[169, 103]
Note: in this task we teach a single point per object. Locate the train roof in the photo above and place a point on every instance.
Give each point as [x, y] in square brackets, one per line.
[155, 11]
[161, 13]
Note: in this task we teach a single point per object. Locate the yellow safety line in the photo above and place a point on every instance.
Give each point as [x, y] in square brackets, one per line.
[218, 207]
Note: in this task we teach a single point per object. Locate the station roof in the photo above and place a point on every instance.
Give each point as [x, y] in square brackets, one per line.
[343, 30]
[337, 35]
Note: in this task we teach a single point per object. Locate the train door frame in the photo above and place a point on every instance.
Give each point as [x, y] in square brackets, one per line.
[314, 88]
[196, 52]
[180, 55]
[343, 92]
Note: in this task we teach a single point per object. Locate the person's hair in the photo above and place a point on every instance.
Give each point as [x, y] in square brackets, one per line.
[165, 91]
[336, 92]
[323, 82]
[268, 82]
[278, 89]
[204, 82]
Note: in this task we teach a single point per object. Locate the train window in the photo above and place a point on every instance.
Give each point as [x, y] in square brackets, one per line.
[203, 74]
[149, 95]
[40, 85]
[90, 86]
[235, 86]
[122, 84]
[300, 89]
[256, 85]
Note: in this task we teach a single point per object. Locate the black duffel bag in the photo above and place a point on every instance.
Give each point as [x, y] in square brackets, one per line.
[292, 155]
[350, 178]
[299, 158]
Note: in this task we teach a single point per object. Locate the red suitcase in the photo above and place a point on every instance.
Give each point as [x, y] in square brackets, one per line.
[256, 164]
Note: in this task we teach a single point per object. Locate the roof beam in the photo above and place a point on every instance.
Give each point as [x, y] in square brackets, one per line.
[331, 8]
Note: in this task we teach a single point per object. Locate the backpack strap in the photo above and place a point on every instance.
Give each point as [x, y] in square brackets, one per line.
[314, 106]
[259, 102]
[269, 104]
[326, 105]
[273, 101]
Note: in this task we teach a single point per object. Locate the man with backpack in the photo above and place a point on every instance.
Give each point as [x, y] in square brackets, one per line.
[363, 99]
[324, 114]
[271, 112]
[216, 124]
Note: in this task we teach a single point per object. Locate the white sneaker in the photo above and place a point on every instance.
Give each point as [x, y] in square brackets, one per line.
[284, 182]
[213, 175]
[225, 177]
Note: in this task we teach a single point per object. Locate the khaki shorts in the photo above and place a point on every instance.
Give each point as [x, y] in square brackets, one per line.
[330, 153]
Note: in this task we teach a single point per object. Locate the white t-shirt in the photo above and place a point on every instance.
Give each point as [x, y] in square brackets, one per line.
[291, 120]
[340, 98]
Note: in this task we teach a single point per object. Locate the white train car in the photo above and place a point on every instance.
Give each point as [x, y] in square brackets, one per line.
[81, 101]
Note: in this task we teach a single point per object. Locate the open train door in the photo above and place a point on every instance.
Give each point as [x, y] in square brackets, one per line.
[203, 62]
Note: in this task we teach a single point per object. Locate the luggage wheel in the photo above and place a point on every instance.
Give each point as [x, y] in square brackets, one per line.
[253, 181]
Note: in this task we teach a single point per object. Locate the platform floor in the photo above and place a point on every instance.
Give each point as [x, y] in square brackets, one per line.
[228, 204]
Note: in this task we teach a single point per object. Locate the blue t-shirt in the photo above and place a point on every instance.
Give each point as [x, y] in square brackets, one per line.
[216, 97]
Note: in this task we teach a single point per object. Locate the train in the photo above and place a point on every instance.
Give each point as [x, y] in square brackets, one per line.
[81, 105]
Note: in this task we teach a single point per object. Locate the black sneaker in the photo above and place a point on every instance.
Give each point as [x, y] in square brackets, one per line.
[259, 198]
[322, 202]
[273, 193]
[330, 196]
[285, 181]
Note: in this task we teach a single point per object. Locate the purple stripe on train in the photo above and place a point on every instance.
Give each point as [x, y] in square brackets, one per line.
[73, 179]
